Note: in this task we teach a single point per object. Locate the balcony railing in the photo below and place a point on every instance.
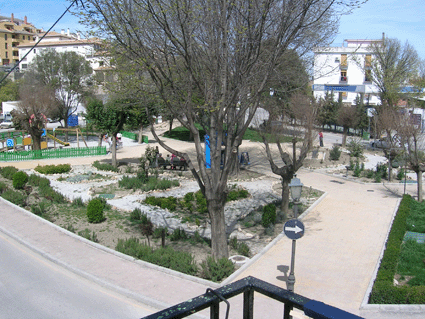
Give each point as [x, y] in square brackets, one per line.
[212, 298]
[343, 79]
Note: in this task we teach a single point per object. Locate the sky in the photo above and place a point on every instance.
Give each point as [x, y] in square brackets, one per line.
[401, 19]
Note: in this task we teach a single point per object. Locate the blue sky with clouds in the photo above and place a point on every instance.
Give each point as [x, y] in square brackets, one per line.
[402, 19]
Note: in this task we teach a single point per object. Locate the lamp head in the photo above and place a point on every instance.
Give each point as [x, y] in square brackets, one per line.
[296, 187]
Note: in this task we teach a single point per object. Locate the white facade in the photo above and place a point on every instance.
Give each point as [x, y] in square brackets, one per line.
[344, 70]
[61, 42]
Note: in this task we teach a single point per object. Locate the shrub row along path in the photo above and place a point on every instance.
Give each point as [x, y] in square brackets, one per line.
[335, 260]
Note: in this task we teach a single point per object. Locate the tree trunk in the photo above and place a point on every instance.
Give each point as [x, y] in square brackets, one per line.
[285, 197]
[419, 179]
[344, 136]
[171, 126]
[100, 140]
[390, 167]
[218, 228]
[140, 135]
[66, 126]
[114, 150]
[36, 142]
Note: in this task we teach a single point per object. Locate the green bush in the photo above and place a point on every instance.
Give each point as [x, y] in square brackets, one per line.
[382, 170]
[335, 153]
[3, 187]
[178, 234]
[34, 180]
[53, 169]
[40, 208]
[401, 174]
[105, 166]
[237, 194]
[243, 249]
[152, 183]
[78, 202]
[216, 270]
[19, 180]
[8, 172]
[169, 203]
[355, 148]
[157, 233]
[136, 214]
[357, 170]
[188, 197]
[201, 202]
[95, 211]
[269, 215]
[165, 257]
[14, 197]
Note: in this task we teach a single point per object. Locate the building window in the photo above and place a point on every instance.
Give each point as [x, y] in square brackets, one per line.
[368, 61]
[344, 95]
[343, 77]
[35, 50]
[13, 36]
[5, 45]
[344, 62]
[15, 53]
[29, 38]
[7, 54]
[5, 36]
[24, 66]
[368, 76]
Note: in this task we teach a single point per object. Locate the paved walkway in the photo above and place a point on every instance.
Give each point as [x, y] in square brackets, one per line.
[335, 259]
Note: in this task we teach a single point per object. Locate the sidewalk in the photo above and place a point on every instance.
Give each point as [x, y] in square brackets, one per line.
[335, 259]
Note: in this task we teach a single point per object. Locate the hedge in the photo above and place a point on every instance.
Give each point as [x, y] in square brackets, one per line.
[384, 291]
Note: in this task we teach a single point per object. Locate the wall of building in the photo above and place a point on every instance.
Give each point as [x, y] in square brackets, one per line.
[341, 70]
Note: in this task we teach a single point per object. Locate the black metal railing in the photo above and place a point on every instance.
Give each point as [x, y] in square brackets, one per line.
[212, 298]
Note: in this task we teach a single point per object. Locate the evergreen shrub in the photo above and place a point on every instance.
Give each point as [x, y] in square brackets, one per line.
[216, 270]
[269, 215]
[19, 180]
[53, 169]
[95, 211]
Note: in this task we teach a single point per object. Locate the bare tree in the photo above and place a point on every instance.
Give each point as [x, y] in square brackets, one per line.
[347, 119]
[299, 118]
[207, 62]
[36, 103]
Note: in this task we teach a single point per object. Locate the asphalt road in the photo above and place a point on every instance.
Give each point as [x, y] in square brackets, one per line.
[33, 287]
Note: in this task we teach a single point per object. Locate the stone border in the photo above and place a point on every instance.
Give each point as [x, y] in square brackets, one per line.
[386, 311]
[102, 282]
[250, 262]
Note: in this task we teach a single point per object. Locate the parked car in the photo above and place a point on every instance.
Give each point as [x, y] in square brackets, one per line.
[6, 124]
[385, 144]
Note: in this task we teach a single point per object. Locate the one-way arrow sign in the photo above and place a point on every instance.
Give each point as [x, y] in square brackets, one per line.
[294, 229]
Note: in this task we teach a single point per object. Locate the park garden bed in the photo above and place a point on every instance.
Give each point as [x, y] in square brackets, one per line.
[401, 275]
[120, 230]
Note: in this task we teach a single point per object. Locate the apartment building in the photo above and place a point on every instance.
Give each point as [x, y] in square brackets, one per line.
[345, 71]
[61, 42]
[14, 32]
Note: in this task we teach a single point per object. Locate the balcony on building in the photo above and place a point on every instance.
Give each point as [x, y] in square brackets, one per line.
[343, 79]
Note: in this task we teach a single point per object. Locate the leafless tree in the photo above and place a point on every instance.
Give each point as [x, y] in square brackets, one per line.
[36, 103]
[207, 62]
[298, 119]
[347, 119]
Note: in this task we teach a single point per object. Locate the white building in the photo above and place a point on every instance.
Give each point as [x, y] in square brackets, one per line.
[344, 71]
[61, 42]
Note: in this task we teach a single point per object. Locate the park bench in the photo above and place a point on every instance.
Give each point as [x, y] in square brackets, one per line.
[177, 164]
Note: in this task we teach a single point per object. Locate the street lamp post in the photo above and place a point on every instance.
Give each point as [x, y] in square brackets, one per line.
[295, 187]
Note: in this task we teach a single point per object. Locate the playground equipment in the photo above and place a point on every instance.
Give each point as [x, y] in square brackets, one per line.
[21, 140]
[56, 140]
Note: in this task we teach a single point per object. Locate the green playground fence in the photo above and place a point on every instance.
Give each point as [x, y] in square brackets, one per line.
[134, 136]
[52, 153]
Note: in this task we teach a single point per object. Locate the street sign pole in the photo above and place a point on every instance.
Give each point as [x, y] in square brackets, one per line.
[291, 277]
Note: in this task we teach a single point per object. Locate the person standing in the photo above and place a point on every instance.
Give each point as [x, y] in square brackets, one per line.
[321, 138]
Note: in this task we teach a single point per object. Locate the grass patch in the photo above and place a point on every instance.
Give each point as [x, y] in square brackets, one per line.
[411, 262]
